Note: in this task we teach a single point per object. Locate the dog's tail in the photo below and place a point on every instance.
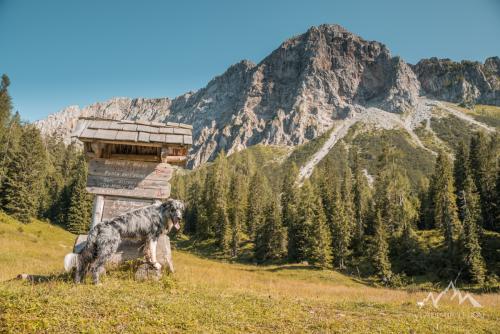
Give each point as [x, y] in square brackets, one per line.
[71, 261]
[77, 260]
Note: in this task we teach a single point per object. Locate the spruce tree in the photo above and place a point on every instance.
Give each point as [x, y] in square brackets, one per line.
[483, 158]
[361, 200]
[445, 203]
[271, 238]
[380, 256]
[79, 213]
[259, 193]
[341, 230]
[319, 242]
[289, 211]
[471, 221]
[5, 103]
[302, 226]
[237, 210]
[24, 176]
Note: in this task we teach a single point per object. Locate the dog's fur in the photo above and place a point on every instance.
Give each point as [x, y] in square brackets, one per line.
[146, 223]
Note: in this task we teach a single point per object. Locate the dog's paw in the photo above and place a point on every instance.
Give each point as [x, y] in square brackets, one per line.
[157, 266]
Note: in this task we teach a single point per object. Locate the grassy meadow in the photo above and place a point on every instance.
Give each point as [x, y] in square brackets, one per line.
[210, 296]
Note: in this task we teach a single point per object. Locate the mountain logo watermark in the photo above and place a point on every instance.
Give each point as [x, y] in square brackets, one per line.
[456, 294]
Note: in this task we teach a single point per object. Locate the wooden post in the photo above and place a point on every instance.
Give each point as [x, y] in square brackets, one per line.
[168, 255]
[97, 211]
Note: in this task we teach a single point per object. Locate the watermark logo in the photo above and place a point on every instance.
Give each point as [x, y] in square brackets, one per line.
[456, 294]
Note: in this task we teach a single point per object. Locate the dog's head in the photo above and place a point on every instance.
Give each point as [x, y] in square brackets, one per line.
[172, 212]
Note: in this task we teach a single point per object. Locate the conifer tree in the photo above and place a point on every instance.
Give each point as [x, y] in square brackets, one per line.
[461, 164]
[217, 187]
[380, 257]
[271, 238]
[341, 230]
[237, 211]
[259, 193]
[24, 176]
[79, 213]
[483, 158]
[471, 221]
[445, 203]
[303, 224]
[5, 104]
[361, 199]
[319, 238]
[289, 211]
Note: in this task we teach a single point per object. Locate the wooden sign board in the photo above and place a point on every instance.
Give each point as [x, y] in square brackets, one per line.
[115, 206]
[162, 193]
[129, 178]
[130, 169]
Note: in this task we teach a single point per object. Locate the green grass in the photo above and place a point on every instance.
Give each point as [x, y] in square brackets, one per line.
[41, 244]
[211, 296]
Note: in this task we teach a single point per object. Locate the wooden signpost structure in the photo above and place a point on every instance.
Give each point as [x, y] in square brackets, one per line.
[130, 164]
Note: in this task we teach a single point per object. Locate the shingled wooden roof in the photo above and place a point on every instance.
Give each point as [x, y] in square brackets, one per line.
[92, 129]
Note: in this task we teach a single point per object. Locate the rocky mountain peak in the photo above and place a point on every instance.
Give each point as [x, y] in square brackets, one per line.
[294, 94]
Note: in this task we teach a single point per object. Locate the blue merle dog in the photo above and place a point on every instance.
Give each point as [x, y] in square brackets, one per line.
[146, 223]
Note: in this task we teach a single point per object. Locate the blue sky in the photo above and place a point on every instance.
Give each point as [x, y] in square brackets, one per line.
[63, 52]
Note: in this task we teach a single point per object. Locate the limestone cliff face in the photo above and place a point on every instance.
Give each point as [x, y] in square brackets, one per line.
[290, 97]
[465, 82]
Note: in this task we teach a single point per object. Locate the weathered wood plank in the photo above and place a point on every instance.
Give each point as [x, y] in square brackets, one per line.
[106, 134]
[147, 128]
[166, 130]
[188, 140]
[135, 157]
[125, 183]
[186, 126]
[88, 133]
[115, 126]
[115, 206]
[143, 137]
[182, 131]
[174, 139]
[135, 193]
[130, 169]
[157, 137]
[126, 136]
[130, 127]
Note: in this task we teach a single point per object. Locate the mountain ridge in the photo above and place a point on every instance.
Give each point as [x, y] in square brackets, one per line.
[295, 94]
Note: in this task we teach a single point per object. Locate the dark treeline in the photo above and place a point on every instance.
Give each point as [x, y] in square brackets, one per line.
[40, 177]
[338, 219]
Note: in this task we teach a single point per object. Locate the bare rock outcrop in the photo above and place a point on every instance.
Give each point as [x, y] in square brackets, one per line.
[465, 82]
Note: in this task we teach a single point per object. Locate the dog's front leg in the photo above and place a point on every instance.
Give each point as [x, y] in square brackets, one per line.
[152, 252]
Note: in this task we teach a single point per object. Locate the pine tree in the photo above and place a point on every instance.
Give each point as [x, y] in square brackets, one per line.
[483, 158]
[461, 164]
[289, 211]
[380, 257]
[24, 176]
[361, 200]
[341, 230]
[271, 239]
[471, 212]
[5, 103]
[258, 197]
[304, 223]
[79, 213]
[313, 229]
[216, 195]
[237, 211]
[445, 203]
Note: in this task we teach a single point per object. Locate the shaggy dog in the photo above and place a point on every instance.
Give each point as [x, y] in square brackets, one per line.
[146, 223]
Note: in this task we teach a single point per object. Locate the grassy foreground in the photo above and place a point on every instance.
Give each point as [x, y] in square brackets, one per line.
[207, 296]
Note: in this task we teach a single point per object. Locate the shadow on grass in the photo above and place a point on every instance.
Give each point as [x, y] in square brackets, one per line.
[40, 279]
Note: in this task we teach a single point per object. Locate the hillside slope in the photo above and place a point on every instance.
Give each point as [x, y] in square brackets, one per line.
[212, 297]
